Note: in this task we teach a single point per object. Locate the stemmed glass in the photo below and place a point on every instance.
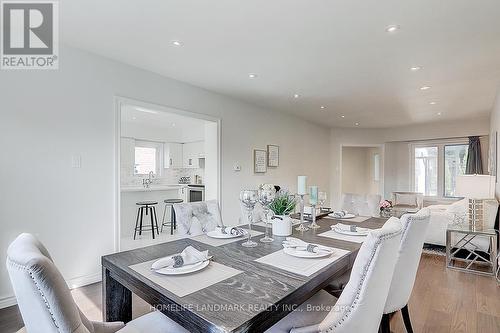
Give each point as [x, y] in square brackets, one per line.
[249, 198]
[321, 200]
[266, 197]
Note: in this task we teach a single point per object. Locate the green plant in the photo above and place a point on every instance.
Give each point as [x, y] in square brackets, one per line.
[284, 203]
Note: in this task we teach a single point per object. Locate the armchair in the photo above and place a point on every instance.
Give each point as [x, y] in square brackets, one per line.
[408, 202]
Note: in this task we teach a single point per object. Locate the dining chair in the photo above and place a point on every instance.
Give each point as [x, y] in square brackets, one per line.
[361, 204]
[360, 307]
[197, 218]
[46, 303]
[412, 240]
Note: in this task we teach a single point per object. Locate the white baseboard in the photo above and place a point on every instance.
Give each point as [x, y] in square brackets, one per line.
[72, 284]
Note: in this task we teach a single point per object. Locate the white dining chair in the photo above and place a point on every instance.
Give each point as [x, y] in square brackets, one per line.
[361, 204]
[360, 307]
[46, 303]
[412, 240]
[197, 218]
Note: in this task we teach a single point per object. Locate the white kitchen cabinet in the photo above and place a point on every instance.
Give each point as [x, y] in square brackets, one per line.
[192, 152]
[173, 153]
[183, 194]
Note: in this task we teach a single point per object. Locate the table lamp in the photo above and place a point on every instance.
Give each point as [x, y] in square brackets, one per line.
[477, 188]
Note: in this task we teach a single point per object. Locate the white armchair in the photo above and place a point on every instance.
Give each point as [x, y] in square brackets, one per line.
[361, 204]
[407, 201]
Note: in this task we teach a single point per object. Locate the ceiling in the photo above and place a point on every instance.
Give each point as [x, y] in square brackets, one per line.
[333, 53]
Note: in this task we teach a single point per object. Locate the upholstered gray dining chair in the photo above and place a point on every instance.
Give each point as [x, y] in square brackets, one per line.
[412, 240]
[360, 307]
[197, 218]
[46, 303]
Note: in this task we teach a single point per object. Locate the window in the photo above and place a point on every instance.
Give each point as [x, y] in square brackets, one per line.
[147, 158]
[436, 166]
[455, 162]
[426, 170]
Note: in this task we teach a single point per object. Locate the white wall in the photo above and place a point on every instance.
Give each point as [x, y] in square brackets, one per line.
[494, 129]
[396, 151]
[49, 116]
[358, 170]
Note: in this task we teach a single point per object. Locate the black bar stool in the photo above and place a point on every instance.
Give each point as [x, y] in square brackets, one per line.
[170, 203]
[149, 207]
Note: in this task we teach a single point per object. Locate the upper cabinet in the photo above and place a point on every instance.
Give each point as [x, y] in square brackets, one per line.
[173, 155]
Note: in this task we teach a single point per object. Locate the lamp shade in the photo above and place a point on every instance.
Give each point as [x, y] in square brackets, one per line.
[475, 186]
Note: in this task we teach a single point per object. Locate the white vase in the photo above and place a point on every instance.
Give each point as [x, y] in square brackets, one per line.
[282, 225]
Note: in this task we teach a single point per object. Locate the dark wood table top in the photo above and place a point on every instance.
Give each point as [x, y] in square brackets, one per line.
[248, 302]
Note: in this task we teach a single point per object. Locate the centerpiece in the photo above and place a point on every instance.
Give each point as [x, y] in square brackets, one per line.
[385, 208]
[283, 204]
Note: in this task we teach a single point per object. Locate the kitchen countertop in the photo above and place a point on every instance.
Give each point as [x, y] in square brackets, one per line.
[156, 187]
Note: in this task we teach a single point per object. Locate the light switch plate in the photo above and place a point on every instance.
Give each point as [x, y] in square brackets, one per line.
[237, 167]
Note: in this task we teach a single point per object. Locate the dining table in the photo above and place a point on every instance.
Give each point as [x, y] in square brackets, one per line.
[240, 291]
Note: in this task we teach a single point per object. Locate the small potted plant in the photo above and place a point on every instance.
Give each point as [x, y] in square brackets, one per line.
[385, 208]
[283, 204]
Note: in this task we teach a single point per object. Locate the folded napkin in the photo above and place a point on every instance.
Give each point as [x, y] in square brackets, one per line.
[189, 256]
[340, 214]
[235, 231]
[348, 227]
[300, 245]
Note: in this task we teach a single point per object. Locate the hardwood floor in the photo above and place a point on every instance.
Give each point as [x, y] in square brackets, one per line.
[442, 301]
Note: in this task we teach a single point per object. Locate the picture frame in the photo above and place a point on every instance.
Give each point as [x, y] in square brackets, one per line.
[259, 161]
[273, 156]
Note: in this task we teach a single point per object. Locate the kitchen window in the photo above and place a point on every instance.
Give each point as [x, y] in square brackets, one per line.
[147, 157]
[436, 165]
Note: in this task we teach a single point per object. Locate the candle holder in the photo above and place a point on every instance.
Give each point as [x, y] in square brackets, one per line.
[302, 227]
[313, 224]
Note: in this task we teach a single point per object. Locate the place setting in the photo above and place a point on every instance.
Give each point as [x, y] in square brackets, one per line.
[185, 272]
[345, 215]
[347, 232]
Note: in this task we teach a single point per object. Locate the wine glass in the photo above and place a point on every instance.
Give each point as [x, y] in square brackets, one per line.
[321, 200]
[249, 198]
[266, 197]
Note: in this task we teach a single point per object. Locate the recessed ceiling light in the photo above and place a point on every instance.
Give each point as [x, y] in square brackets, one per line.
[439, 113]
[176, 43]
[425, 88]
[432, 103]
[322, 107]
[342, 116]
[173, 124]
[357, 124]
[415, 68]
[296, 95]
[252, 75]
[146, 110]
[392, 28]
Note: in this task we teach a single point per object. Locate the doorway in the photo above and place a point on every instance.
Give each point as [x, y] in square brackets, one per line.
[162, 153]
[362, 170]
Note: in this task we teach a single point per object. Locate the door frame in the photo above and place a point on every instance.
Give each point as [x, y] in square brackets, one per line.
[119, 101]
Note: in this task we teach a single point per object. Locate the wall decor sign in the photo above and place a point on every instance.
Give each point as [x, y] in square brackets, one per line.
[259, 161]
[273, 155]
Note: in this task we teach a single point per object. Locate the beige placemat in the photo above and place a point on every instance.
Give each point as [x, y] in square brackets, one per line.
[348, 238]
[357, 219]
[301, 266]
[183, 285]
[219, 241]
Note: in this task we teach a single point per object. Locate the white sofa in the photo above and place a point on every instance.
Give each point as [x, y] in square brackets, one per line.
[442, 215]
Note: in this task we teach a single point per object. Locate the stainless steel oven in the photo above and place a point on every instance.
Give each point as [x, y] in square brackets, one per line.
[196, 193]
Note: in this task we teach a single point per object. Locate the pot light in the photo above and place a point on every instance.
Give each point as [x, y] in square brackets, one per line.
[176, 43]
[432, 103]
[173, 124]
[296, 95]
[252, 75]
[322, 107]
[392, 28]
[425, 88]
[342, 116]
[415, 68]
[357, 124]
[146, 110]
[439, 113]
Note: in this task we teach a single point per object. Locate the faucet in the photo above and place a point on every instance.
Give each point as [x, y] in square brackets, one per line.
[147, 182]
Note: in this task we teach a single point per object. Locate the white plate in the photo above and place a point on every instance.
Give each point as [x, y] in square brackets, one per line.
[186, 269]
[346, 216]
[350, 233]
[215, 234]
[305, 254]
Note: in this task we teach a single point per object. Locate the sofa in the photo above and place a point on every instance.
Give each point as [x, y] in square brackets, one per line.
[442, 215]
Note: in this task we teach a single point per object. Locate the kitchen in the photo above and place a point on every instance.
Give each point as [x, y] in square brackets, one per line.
[166, 157]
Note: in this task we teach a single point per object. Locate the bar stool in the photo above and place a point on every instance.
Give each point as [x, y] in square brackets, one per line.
[170, 203]
[149, 207]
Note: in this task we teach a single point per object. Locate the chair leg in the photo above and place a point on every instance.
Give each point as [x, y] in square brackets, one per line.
[140, 225]
[152, 221]
[175, 218]
[385, 324]
[156, 221]
[163, 219]
[136, 222]
[406, 319]
[172, 218]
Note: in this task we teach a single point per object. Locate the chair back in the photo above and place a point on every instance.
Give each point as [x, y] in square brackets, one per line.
[197, 218]
[43, 297]
[412, 240]
[360, 307]
[361, 204]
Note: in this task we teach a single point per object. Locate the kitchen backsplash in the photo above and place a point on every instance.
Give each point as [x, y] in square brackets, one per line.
[169, 176]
